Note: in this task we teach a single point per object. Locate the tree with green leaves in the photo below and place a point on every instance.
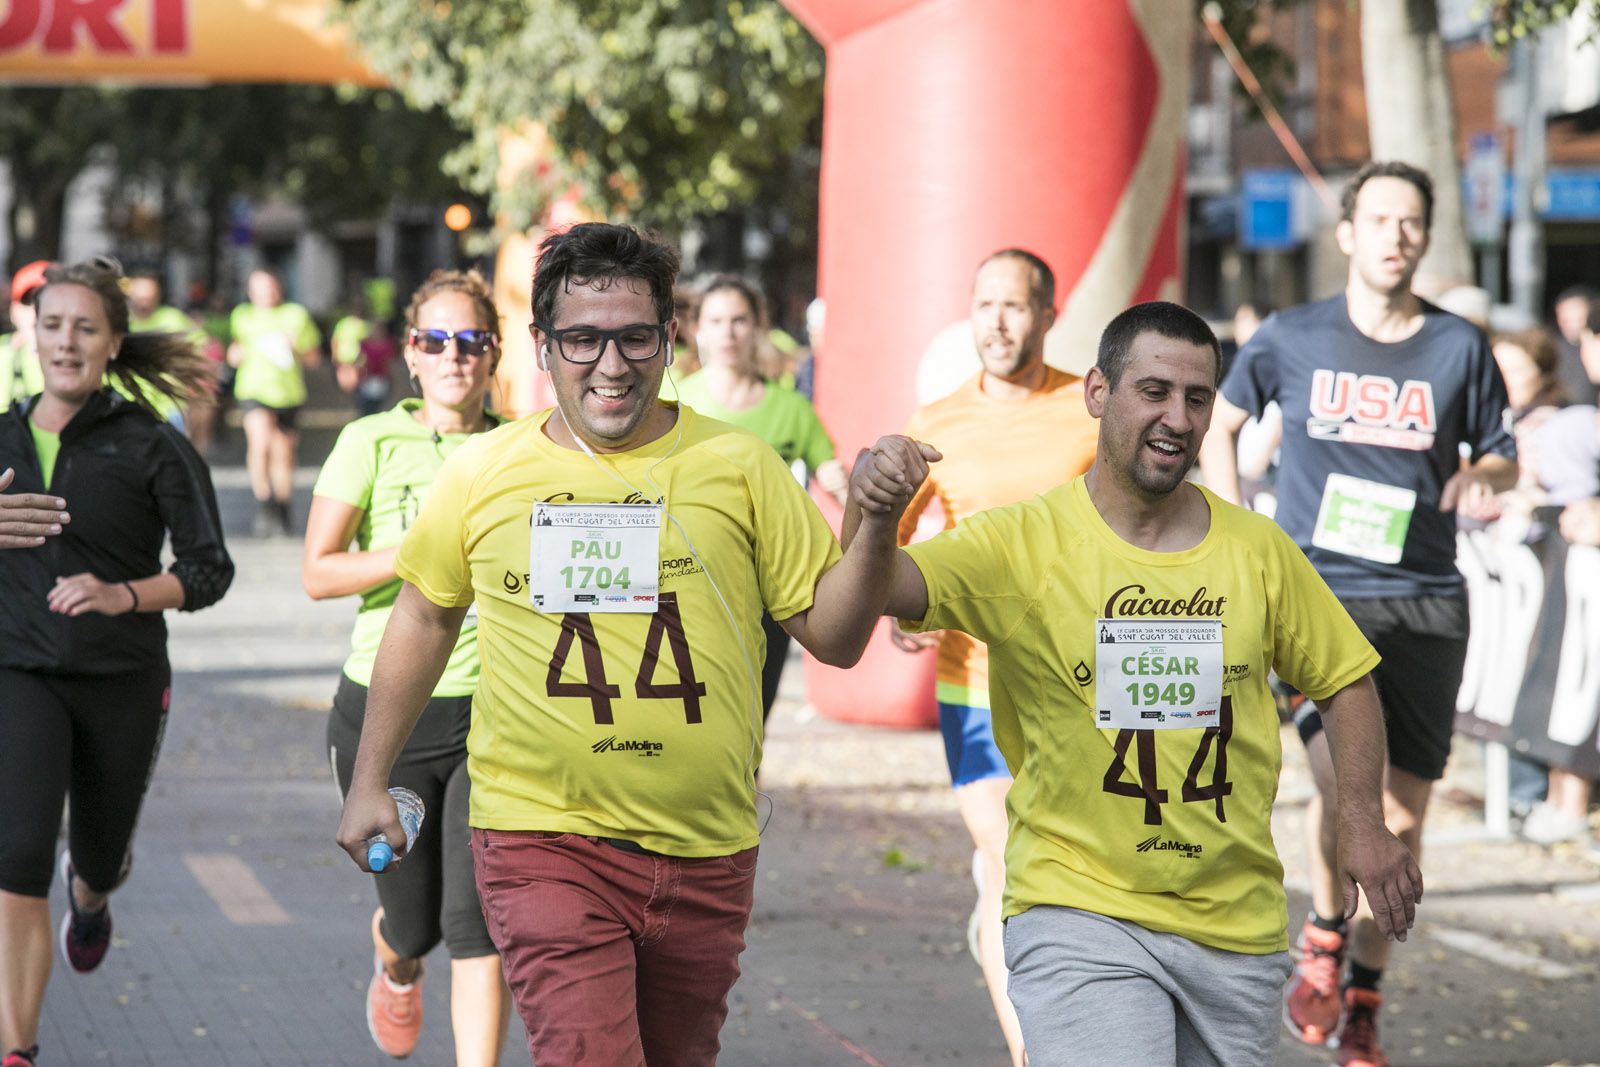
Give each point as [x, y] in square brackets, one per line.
[340, 152]
[662, 111]
[48, 135]
[1512, 20]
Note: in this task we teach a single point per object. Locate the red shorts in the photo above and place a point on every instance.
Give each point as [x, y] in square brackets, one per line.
[614, 957]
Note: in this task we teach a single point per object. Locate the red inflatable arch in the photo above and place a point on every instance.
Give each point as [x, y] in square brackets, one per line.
[954, 128]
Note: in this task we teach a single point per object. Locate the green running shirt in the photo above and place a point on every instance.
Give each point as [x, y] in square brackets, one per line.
[384, 465]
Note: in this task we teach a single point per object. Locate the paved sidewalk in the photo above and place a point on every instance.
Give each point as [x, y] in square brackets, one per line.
[242, 935]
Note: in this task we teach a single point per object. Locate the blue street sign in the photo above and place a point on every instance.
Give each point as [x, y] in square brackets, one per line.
[1266, 210]
[1572, 195]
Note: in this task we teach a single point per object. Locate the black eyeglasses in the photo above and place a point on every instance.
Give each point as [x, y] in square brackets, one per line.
[585, 344]
[468, 342]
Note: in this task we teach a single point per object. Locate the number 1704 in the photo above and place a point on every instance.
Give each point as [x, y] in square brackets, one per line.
[595, 577]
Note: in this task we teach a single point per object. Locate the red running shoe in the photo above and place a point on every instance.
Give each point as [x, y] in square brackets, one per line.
[1358, 1040]
[394, 1012]
[1311, 1005]
[20, 1057]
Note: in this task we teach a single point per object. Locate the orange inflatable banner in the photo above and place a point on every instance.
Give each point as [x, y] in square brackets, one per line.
[952, 129]
[175, 42]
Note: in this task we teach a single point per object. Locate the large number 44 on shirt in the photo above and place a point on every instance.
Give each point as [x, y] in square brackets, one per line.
[666, 627]
[1211, 745]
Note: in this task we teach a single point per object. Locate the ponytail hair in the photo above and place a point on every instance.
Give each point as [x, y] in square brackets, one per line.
[169, 363]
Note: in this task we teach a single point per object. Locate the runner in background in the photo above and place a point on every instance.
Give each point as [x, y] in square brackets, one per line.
[202, 418]
[362, 351]
[1012, 432]
[685, 354]
[272, 342]
[147, 314]
[20, 376]
[368, 495]
[1380, 393]
[730, 387]
[1573, 308]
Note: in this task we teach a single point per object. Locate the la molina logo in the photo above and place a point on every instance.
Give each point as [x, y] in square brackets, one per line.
[626, 748]
[1156, 844]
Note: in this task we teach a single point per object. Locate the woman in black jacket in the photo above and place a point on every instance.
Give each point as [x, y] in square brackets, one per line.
[91, 484]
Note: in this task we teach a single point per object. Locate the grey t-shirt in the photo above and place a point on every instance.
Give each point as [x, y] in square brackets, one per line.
[1392, 415]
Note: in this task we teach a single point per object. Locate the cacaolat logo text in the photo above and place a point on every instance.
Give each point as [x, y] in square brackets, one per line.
[1131, 601]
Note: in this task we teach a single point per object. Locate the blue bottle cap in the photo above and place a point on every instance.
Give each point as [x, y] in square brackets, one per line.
[378, 855]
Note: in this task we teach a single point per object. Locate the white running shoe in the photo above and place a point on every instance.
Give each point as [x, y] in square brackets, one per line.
[1547, 825]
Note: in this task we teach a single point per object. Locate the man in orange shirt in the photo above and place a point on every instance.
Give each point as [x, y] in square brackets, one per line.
[1016, 429]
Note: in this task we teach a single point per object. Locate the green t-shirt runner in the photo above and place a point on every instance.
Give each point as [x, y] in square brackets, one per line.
[166, 319]
[20, 373]
[783, 419]
[273, 339]
[345, 342]
[384, 465]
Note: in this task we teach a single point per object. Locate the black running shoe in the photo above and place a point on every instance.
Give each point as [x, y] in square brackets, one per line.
[85, 936]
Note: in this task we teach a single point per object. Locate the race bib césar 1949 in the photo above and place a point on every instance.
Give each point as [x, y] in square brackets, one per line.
[1157, 674]
[595, 557]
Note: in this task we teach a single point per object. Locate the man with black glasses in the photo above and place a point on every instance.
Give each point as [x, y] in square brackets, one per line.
[619, 552]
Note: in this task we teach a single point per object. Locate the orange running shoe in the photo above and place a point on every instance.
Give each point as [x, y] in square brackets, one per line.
[394, 1012]
[1311, 1005]
[1358, 1040]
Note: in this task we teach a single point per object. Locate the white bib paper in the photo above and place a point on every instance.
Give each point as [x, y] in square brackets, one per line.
[1155, 674]
[1365, 519]
[277, 349]
[595, 557]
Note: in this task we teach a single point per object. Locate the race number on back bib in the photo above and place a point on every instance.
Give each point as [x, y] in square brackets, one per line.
[1365, 519]
[278, 350]
[595, 557]
[1157, 675]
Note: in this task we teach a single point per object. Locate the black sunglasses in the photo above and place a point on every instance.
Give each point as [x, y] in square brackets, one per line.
[468, 342]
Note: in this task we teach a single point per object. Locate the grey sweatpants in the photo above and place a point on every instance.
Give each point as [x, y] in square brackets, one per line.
[1091, 990]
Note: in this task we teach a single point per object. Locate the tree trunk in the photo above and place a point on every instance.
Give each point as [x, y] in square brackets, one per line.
[44, 200]
[1410, 118]
[216, 232]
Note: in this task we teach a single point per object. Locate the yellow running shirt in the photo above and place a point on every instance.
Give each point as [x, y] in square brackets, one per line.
[996, 452]
[1167, 828]
[636, 726]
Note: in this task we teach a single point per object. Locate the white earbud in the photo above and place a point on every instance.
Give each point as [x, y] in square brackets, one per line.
[544, 357]
[670, 354]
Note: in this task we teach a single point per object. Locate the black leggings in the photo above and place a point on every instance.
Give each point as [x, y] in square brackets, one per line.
[772, 667]
[431, 895]
[92, 738]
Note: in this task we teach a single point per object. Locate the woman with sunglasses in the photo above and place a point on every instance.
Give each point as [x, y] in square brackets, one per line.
[734, 386]
[365, 499]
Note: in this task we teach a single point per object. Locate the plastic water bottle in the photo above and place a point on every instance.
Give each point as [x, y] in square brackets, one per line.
[379, 853]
